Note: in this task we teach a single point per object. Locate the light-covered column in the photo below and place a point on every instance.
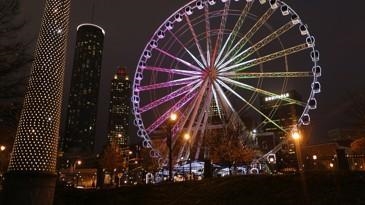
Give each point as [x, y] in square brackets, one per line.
[32, 167]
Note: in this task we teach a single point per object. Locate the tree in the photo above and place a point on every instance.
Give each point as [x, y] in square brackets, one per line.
[148, 163]
[14, 58]
[356, 110]
[112, 157]
[14, 55]
[228, 147]
[358, 146]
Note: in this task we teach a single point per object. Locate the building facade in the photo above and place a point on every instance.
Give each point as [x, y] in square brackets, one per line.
[286, 115]
[120, 108]
[79, 135]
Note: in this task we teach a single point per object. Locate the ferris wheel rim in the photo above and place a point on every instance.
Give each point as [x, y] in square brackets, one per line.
[192, 4]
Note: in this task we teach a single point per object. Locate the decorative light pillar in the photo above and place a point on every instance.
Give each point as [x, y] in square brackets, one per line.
[31, 174]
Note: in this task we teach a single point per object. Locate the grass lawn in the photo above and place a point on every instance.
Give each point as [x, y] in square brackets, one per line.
[310, 188]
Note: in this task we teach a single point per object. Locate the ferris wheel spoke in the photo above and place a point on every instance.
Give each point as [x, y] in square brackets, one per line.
[244, 75]
[261, 91]
[200, 96]
[242, 42]
[188, 88]
[249, 104]
[183, 150]
[181, 103]
[182, 81]
[265, 41]
[218, 42]
[178, 59]
[196, 40]
[187, 50]
[267, 58]
[173, 71]
[200, 142]
[231, 113]
[232, 36]
[189, 116]
[216, 102]
[224, 100]
[180, 124]
[207, 33]
[203, 111]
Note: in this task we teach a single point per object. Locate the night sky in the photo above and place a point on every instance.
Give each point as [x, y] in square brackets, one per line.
[337, 25]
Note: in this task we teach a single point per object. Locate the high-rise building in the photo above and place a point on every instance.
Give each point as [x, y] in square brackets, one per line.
[79, 135]
[120, 109]
[216, 116]
[286, 115]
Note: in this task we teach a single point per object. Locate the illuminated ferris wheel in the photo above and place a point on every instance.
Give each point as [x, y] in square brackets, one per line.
[213, 63]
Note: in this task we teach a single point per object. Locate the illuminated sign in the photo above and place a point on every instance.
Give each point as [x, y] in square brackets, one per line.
[276, 97]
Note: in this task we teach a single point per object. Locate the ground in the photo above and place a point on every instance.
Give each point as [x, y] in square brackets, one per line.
[311, 188]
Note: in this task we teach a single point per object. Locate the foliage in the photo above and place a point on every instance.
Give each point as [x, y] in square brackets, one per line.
[358, 146]
[228, 147]
[356, 109]
[148, 163]
[13, 51]
[13, 58]
[112, 157]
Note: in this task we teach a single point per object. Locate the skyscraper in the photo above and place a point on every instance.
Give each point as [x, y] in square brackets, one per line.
[286, 115]
[283, 113]
[79, 135]
[119, 109]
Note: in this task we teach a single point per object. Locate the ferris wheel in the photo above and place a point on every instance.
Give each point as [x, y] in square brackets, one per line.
[214, 62]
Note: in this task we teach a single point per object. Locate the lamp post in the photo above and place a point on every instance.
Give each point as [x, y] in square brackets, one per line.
[129, 154]
[188, 139]
[75, 164]
[2, 150]
[172, 120]
[296, 136]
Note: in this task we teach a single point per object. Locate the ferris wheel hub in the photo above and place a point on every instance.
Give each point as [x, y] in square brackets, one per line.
[211, 73]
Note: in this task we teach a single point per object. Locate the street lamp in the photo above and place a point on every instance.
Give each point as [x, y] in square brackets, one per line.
[79, 162]
[297, 137]
[76, 163]
[188, 139]
[172, 120]
[2, 149]
[186, 136]
[173, 117]
[127, 153]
